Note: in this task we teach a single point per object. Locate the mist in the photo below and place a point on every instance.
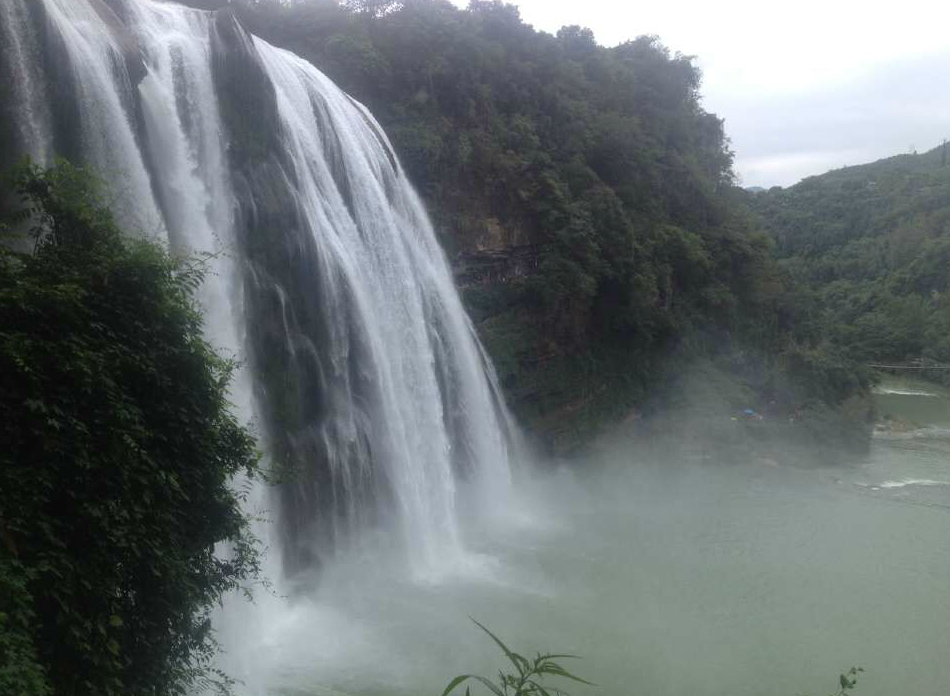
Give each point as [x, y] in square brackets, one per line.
[667, 572]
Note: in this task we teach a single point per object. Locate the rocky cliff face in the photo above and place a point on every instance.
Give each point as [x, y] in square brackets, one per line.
[558, 397]
[492, 256]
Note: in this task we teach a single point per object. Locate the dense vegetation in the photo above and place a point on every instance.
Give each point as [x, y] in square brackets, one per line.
[118, 455]
[586, 200]
[872, 243]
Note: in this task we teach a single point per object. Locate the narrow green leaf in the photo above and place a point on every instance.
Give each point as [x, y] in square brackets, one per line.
[489, 685]
[559, 671]
[522, 665]
[455, 682]
[540, 689]
[510, 655]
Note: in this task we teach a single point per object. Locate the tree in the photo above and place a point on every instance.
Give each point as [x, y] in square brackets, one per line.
[376, 8]
[118, 458]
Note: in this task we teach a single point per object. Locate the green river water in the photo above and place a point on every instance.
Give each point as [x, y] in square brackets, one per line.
[670, 581]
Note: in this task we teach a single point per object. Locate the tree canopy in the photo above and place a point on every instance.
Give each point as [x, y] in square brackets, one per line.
[873, 244]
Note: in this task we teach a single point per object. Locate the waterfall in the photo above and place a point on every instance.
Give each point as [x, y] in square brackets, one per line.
[363, 373]
[24, 109]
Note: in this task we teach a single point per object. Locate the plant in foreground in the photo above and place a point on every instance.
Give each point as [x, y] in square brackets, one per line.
[528, 675]
[848, 681]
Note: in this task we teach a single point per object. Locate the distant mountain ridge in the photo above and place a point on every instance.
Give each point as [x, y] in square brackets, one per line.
[872, 242]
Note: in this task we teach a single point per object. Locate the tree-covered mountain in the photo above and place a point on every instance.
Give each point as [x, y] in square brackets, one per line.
[585, 198]
[872, 243]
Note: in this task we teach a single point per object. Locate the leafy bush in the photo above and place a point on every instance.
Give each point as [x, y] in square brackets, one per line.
[119, 453]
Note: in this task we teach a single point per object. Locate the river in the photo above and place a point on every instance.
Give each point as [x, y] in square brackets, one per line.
[669, 580]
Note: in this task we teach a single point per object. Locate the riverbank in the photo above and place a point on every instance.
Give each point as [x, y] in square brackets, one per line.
[716, 415]
[908, 404]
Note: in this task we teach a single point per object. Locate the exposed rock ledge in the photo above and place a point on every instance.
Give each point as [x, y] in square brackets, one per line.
[112, 13]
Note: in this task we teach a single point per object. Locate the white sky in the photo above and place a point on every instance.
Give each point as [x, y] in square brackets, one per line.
[804, 85]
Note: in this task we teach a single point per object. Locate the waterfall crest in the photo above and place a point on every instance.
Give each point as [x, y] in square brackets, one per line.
[364, 373]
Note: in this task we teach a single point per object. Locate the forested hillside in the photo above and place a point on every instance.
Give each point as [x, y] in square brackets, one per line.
[873, 245]
[584, 196]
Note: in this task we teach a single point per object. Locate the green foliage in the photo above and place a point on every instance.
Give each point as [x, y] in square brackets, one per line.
[528, 677]
[20, 670]
[872, 243]
[119, 453]
[848, 680]
[373, 7]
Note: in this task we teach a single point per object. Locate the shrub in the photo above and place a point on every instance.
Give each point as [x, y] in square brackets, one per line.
[119, 453]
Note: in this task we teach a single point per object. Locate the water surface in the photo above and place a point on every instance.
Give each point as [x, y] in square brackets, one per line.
[670, 579]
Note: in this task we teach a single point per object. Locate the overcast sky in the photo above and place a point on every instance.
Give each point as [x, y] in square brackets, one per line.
[804, 85]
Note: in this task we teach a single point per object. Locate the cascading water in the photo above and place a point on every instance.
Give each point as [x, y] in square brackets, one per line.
[363, 370]
[407, 383]
[24, 108]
